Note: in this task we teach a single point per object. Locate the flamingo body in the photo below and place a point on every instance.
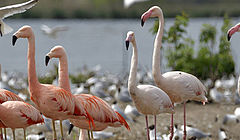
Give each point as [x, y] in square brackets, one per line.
[22, 113]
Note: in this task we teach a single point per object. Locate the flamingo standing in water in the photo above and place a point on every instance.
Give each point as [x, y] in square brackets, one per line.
[179, 86]
[6, 95]
[102, 114]
[18, 114]
[148, 99]
[230, 32]
[52, 101]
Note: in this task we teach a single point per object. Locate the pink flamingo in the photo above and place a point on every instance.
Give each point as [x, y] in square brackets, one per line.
[179, 86]
[148, 99]
[103, 115]
[52, 101]
[6, 95]
[230, 32]
[18, 114]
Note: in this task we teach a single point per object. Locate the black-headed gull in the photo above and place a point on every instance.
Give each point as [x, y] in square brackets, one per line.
[11, 10]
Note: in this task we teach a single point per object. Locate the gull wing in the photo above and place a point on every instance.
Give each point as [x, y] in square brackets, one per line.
[17, 8]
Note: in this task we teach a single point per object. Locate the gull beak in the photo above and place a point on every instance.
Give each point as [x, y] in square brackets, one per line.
[14, 39]
[127, 44]
[70, 128]
[47, 58]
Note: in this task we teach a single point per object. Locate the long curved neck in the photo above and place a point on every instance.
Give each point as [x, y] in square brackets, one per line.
[156, 52]
[133, 70]
[63, 80]
[32, 76]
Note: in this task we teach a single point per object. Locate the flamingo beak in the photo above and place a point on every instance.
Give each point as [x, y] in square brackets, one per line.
[14, 39]
[47, 58]
[145, 16]
[127, 44]
[70, 128]
[228, 37]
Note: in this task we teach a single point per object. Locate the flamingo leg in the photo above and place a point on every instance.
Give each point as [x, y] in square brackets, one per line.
[54, 130]
[171, 127]
[184, 117]
[147, 127]
[13, 132]
[1, 134]
[61, 129]
[24, 134]
[5, 133]
[155, 124]
[89, 135]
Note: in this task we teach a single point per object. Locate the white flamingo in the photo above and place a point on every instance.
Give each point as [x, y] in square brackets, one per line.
[11, 10]
[148, 99]
[179, 86]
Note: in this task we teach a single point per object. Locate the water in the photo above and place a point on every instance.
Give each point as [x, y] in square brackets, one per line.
[92, 42]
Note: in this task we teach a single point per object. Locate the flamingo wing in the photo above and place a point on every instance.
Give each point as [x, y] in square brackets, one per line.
[6, 95]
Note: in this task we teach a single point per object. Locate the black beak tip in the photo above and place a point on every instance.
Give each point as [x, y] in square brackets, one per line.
[127, 44]
[142, 22]
[14, 39]
[228, 37]
[47, 58]
[70, 129]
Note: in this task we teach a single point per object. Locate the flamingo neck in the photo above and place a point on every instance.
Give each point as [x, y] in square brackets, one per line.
[156, 52]
[63, 73]
[32, 76]
[133, 70]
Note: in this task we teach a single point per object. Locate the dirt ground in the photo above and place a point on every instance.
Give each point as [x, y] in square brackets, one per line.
[199, 116]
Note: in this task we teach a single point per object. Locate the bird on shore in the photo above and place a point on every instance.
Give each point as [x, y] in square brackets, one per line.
[178, 85]
[18, 114]
[52, 32]
[52, 101]
[128, 3]
[11, 10]
[148, 99]
[102, 114]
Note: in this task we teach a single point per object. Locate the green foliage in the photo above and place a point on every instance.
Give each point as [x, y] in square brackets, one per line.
[211, 61]
[81, 77]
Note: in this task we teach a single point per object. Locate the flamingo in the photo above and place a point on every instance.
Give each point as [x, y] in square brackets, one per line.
[148, 99]
[179, 86]
[18, 114]
[101, 112]
[11, 10]
[52, 101]
[230, 32]
[6, 95]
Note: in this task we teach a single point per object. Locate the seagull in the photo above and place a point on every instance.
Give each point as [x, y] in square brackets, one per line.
[39, 136]
[152, 133]
[195, 133]
[52, 32]
[102, 135]
[230, 119]
[222, 135]
[131, 111]
[11, 10]
[128, 3]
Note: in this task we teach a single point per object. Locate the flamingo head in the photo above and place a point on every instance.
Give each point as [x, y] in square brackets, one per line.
[233, 30]
[130, 38]
[55, 52]
[200, 96]
[24, 32]
[154, 11]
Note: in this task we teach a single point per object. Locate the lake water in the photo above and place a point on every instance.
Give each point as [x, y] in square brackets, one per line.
[92, 42]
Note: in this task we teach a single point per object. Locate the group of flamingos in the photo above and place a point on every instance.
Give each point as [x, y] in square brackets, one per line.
[89, 112]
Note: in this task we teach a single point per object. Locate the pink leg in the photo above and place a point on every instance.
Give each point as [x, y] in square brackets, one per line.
[184, 115]
[147, 127]
[155, 124]
[172, 128]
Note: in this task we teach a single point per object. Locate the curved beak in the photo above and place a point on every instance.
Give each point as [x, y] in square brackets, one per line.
[142, 22]
[14, 39]
[145, 16]
[228, 37]
[70, 128]
[127, 44]
[47, 58]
